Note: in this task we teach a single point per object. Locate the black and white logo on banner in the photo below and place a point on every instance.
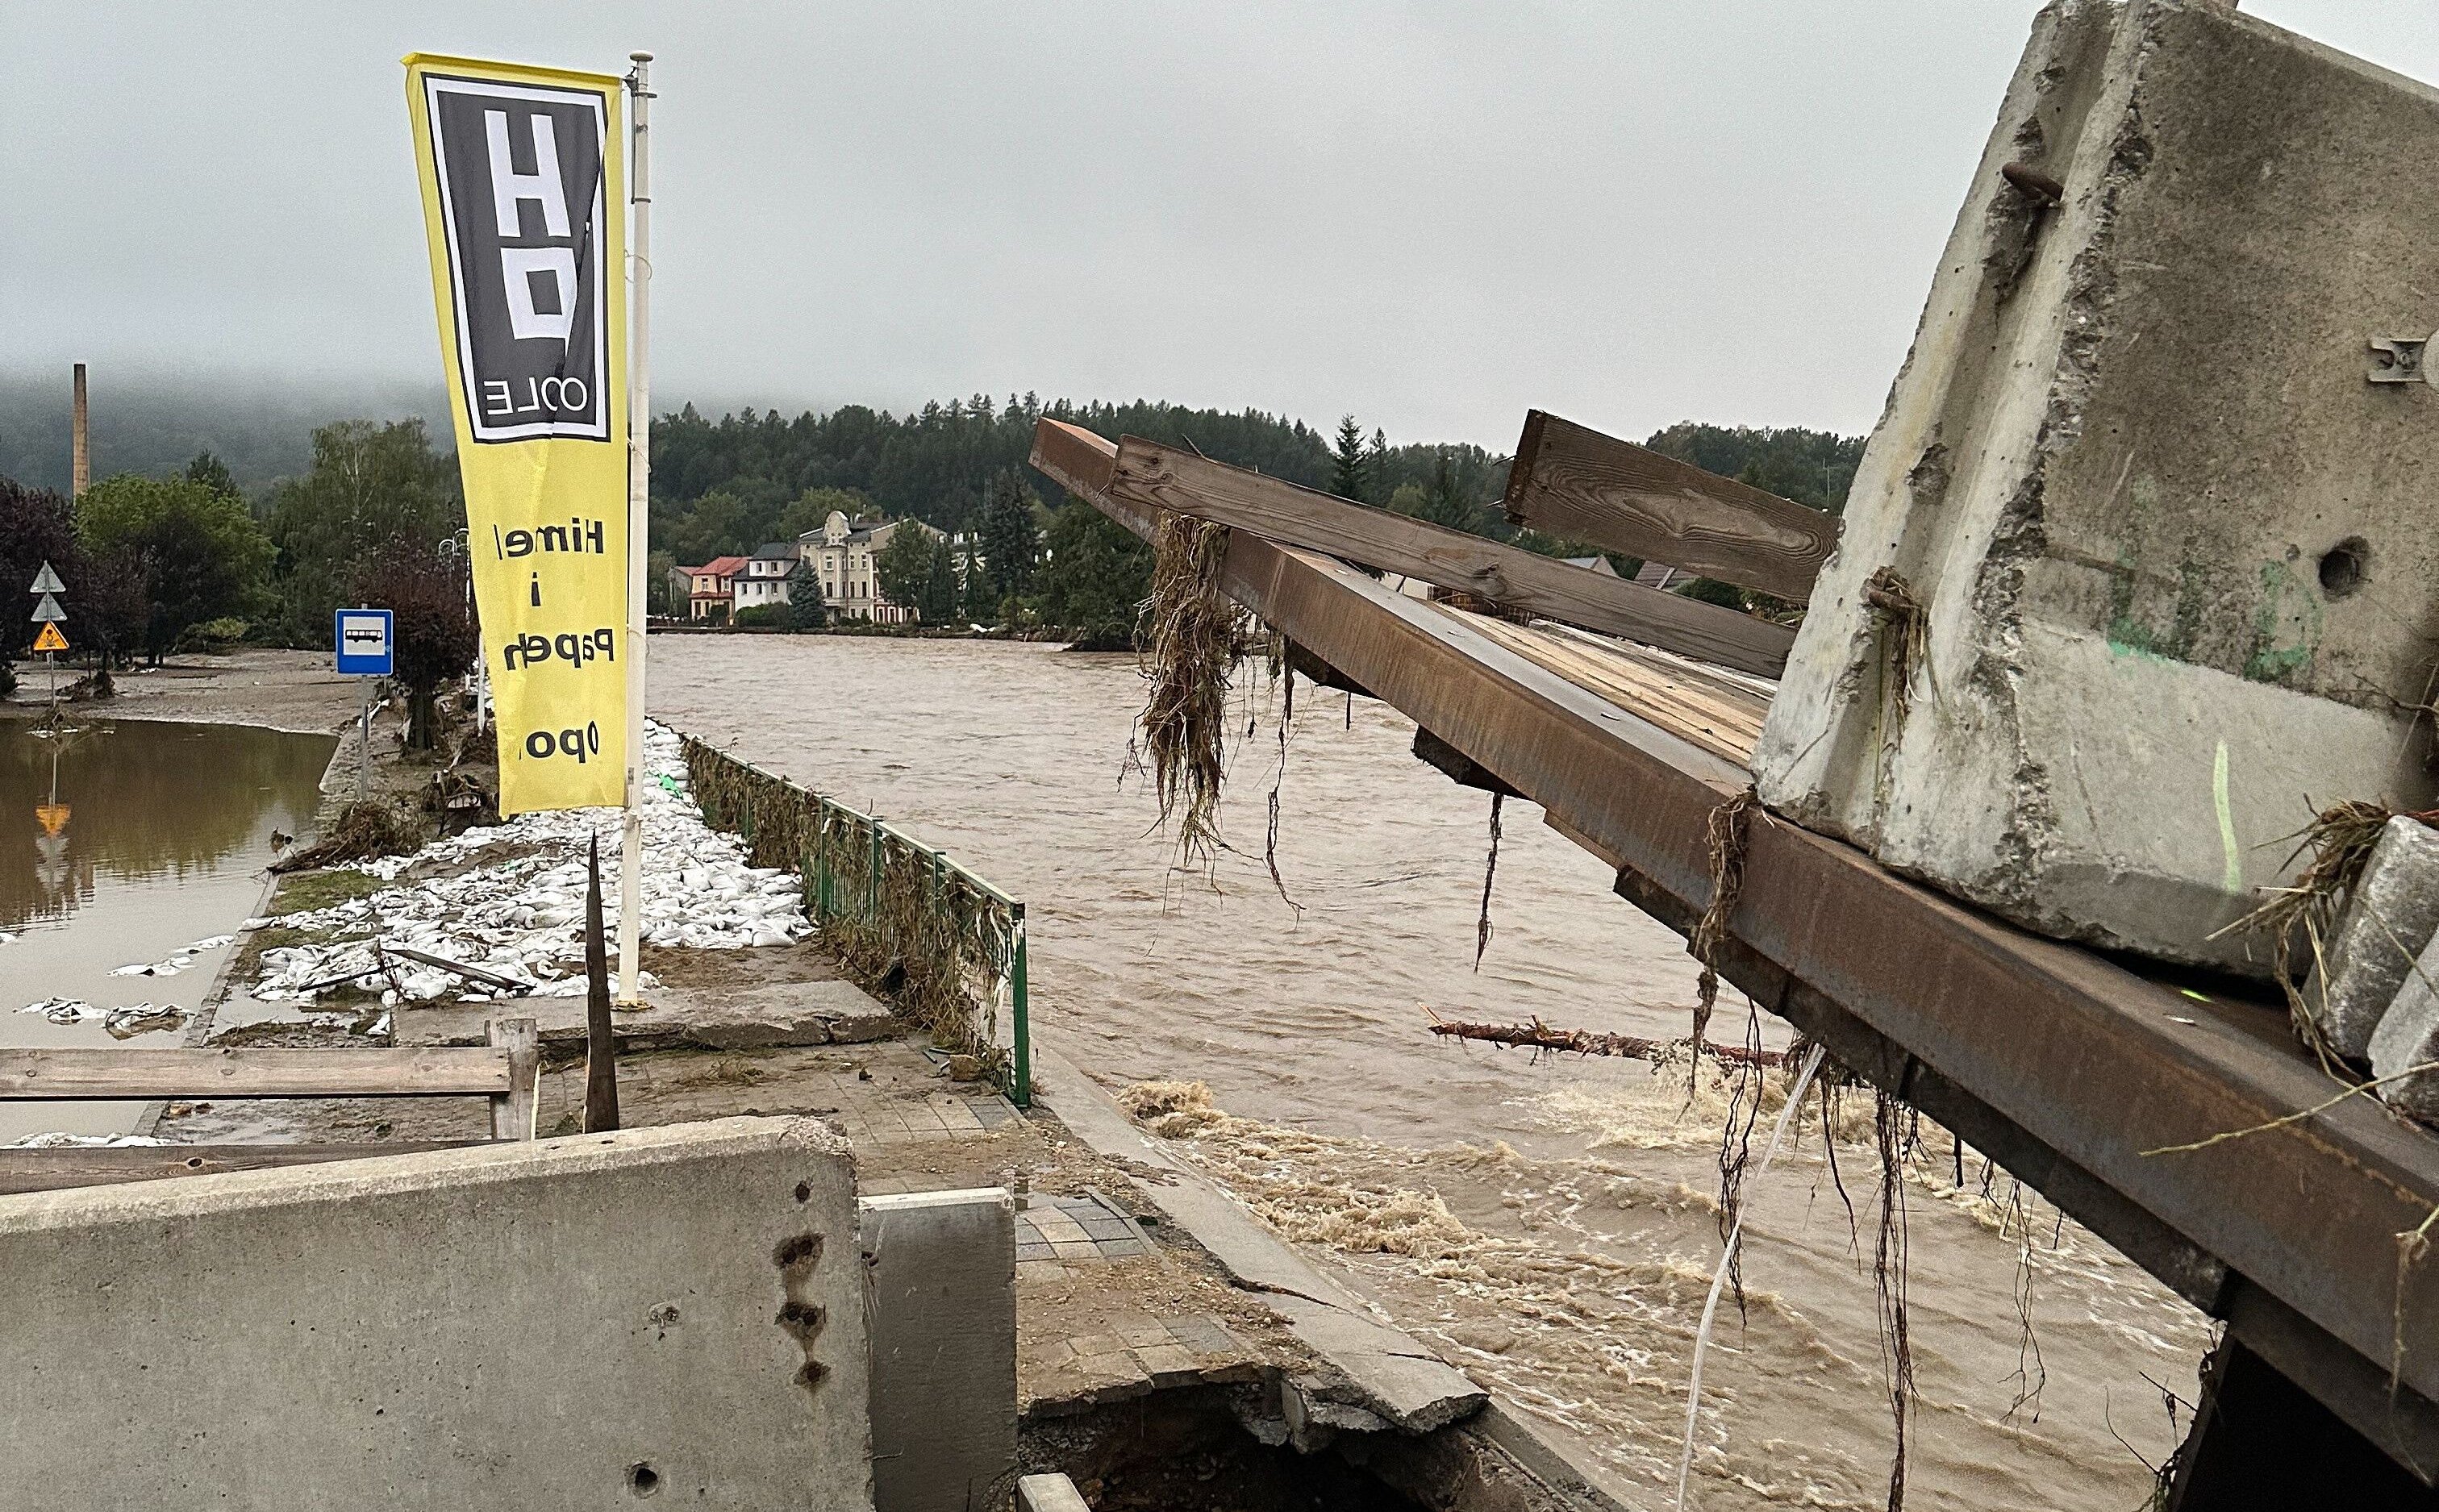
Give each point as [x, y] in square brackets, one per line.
[522, 201]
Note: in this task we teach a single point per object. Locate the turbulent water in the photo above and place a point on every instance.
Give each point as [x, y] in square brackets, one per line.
[1551, 1225]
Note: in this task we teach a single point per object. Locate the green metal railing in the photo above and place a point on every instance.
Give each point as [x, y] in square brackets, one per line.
[943, 945]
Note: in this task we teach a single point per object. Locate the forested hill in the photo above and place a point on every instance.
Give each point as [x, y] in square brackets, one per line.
[729, 484]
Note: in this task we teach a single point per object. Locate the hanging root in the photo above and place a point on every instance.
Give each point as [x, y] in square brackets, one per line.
[2031, 1372]
[1193, 634]
[1887, 592]
[1895, 1127]
[1736, 1140]
[2340, 838]
[1729, 825]
[1489, 870]
[1287, 722]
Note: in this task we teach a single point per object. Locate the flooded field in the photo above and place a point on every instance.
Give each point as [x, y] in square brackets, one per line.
[1550, 1225]
[126, 846]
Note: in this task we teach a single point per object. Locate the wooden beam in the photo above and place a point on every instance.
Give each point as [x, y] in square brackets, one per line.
[1573, 482]
[1156, 477]
[52, 1075]
[44, 1171]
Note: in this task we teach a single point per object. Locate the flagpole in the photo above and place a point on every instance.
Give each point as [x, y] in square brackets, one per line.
[639, 493]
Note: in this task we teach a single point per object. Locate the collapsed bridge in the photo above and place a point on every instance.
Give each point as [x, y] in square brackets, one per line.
[2081, 546]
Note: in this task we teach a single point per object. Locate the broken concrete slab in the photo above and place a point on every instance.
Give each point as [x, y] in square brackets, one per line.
[2128, 583]
[777, 1016]
[1049, 1493]
[1382, 1371]
[568, 1322]
[1392, 1374]
[941, 1287]
[2392, 915]
[2407, 1038]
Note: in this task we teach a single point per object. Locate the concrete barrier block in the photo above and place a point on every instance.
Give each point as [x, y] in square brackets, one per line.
[940, 1276]
[2392, 915]
[564, 1324]
[2130, 579]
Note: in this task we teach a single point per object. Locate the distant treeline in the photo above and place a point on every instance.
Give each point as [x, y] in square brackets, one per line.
[325, 495]
[727, 485]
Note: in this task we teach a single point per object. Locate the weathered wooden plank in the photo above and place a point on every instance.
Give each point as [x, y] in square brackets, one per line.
[1571, 481]
[53, 1074]
[44, 1171]
[1157, 477]
[513, 1110]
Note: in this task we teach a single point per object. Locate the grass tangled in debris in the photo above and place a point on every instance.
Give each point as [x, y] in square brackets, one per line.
[363, 831]
[1193, 634]
[2340, 837]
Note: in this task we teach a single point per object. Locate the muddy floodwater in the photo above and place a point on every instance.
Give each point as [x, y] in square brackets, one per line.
[1551, 1226]
[123, 844]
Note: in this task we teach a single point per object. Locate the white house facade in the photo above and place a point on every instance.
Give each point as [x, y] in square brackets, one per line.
[764, 578]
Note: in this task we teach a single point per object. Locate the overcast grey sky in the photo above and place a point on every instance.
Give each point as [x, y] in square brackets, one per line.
[1432, 215]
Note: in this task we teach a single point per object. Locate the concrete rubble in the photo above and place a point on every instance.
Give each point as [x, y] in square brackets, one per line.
[2390, 916]
[2132, 578]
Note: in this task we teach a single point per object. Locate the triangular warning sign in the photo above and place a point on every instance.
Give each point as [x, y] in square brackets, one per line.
[48, 611]
[50, 639]
[47, 581]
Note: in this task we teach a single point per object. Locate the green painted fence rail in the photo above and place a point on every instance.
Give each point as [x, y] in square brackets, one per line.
[945, 947]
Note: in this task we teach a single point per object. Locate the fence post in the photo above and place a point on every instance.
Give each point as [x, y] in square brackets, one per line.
[1022, 1026]
[821, 909]
[872, 901]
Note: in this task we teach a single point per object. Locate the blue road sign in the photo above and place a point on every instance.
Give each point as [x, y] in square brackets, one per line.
[365, 645]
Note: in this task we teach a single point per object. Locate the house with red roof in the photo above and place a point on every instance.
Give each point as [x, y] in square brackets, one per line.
[711, 589]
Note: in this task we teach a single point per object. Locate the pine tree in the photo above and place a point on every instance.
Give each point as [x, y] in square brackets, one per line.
[1376, 466]
[1351, 471]
[212, 473]
[805, 609]
[1010, 544]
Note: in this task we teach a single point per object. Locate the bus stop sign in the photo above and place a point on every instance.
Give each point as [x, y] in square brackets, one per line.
[365, 642]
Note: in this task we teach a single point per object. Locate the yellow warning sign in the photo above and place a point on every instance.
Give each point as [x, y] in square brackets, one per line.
[50, 640]
[52, 816]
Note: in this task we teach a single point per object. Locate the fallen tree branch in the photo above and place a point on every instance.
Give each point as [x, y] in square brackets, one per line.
[1539, 1036]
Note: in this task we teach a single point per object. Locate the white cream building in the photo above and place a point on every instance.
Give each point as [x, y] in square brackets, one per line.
[841, 554]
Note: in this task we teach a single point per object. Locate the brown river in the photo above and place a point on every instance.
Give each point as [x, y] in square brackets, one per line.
[1550, 1225]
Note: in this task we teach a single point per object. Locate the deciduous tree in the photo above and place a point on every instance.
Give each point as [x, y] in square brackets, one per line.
[200, 552]
[370, 484]
[902, 566]
[433, 633]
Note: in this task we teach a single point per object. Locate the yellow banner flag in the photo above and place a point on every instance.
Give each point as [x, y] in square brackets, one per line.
[525, 209]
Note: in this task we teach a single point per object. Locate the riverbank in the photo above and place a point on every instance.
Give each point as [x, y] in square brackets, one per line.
[295, 691]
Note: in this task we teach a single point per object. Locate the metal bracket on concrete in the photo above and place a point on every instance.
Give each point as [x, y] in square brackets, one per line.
[2399, 359]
